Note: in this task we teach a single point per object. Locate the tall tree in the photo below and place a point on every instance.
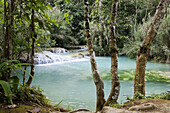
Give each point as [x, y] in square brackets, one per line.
[144, 50]
[114, 57]
[96, 77]
[33, 37]
[8, 33]
[136, 6]
[100, 24]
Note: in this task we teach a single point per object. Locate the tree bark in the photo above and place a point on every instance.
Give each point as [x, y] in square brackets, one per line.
[115, 87]
[143, 52]
[100, 24]
[33, 37]
[146, 13]
[8, 33]
[136, 6]
[96, 77]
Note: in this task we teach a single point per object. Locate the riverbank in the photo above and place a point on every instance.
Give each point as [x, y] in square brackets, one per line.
[141, 106]
[137, 106]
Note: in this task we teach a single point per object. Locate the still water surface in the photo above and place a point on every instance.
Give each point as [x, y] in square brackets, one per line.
[69, 82]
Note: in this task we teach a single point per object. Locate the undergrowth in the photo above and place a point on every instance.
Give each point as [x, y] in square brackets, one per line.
[26, 94]
[138, 96]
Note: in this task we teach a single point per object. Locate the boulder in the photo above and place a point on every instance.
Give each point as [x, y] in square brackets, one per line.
[143, 107]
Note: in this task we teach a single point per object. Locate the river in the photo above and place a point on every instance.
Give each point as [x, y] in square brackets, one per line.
[71, 82]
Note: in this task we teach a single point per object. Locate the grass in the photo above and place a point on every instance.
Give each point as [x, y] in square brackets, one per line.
[116, 105]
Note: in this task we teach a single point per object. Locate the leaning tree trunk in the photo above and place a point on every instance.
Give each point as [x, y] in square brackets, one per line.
[96, 77]
[33, 37]
[8, 34]
[115, 87]
[143, 52]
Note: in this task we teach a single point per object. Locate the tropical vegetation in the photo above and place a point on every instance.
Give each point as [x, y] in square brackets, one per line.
[138, 29]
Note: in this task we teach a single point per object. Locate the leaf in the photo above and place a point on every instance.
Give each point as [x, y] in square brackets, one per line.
[1, 10]
[7, 90]
[50, 7]
[56, 24]
[6, 63]
[15, 13]
[15, 83]
[40, 23]
[67, 20]
[68, 1]
[66, 15]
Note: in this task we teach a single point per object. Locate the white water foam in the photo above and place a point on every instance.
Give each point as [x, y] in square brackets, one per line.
[76, 60]
[49, 58]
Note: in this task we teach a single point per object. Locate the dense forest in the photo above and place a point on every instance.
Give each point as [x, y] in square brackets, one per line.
[138, 29]
[60, 24]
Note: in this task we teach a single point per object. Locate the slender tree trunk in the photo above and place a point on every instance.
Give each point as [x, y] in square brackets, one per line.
[143, 52]
[115, 87]
[144, 21]
[33, 37]
[8, 33]
[136, 1]
[96, 77]
[106, 34]
[146, 13]
[100, 24]
[27, 61]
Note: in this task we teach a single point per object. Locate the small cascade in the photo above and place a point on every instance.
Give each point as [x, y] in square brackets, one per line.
[58, 50]
[47, 57]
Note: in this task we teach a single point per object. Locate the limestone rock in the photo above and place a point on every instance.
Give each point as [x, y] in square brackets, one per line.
[143, 107]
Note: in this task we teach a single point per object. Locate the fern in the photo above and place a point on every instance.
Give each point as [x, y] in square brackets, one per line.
[7, 90]
[15, 83]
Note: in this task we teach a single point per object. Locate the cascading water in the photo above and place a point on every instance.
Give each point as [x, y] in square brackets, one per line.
[55, 55]
[58, 50]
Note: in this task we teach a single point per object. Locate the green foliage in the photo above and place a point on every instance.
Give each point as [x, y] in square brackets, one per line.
[69, 30]
[7, 90]
[68, 1]
[15, 83]
[165, 95]
[101, 51]
[128, 97]
[116, 105]
[138, 96]
[12, 92]
[159, 49]
[34, 94]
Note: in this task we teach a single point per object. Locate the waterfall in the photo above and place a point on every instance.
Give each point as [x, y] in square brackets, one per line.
[58, 50]
[56, 55]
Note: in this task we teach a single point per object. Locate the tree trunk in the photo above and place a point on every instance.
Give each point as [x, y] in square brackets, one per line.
[8, 33]
[100, 24]
[33, 37]
[115, 89]
[96, 77]
[136, 1]
[143, 52]
[146, 13]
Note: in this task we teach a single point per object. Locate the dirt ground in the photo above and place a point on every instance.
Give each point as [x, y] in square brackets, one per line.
[157, 106]
[138, 106]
